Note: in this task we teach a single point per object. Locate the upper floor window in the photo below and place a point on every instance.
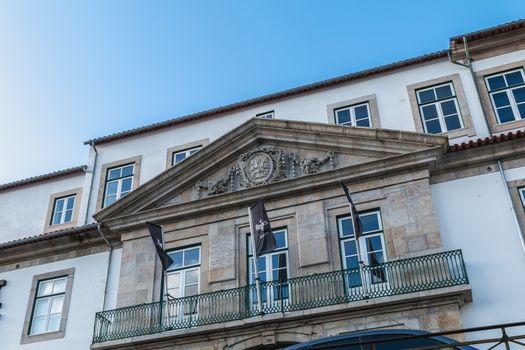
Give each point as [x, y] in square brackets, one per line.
[507, 94]
[266, 115]
[521, 191]
[179, 156]
[356, 115]
[47, 310]
[63, 210]
[439, 110]
[184, 273]
[119, 182]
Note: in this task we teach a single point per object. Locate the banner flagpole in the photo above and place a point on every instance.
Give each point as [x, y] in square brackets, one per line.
[255, 268]
[165, 280]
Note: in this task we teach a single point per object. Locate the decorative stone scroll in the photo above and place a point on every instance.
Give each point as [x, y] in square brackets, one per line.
[260, 166]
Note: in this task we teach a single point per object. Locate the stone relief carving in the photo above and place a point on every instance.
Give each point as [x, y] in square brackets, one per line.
[260, 166]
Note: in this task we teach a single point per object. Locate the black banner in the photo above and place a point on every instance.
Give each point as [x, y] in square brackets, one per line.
[358, 225]
[261, 230]
[156, 235]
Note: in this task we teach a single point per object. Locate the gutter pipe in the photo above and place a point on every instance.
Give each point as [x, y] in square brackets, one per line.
[99, 229]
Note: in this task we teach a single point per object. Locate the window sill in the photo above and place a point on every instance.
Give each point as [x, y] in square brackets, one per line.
[26, 339]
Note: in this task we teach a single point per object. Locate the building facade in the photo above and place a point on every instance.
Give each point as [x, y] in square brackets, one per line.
[432, 149]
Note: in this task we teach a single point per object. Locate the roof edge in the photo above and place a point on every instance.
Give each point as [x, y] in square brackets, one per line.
[44, 177]
[273, 96]
[491, 31]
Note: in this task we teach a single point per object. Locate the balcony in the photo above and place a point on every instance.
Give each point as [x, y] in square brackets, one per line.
[397, 277]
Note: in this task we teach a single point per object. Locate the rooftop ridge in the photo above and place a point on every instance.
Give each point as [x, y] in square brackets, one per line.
[44, 177]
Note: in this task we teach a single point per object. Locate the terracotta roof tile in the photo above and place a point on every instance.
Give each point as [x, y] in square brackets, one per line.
[487, 141]
[39, 178]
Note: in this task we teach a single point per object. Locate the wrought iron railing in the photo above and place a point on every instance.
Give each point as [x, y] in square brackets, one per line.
[395, 277]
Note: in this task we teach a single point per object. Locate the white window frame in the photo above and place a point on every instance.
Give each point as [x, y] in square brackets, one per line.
[184, 269]
[437, 103]
[64, 210]
[119, 181]
[266, 115]
[187, 152]
[353, 120]
[508, 91]
[270, 294]
[521, 191]
[50, 298]
[362, 240]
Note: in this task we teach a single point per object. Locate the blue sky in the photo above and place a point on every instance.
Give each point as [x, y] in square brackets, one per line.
[74, 70]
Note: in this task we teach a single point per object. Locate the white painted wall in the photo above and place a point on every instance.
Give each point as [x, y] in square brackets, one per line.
[23, 210]
[86, 300]
[474, 215]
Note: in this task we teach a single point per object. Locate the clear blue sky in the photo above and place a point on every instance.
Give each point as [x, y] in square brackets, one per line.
[74, 70]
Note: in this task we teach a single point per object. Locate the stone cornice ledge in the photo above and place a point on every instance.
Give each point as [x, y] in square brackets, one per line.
[424, 159]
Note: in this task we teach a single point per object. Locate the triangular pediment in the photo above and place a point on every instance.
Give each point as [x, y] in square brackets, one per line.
[262, 153]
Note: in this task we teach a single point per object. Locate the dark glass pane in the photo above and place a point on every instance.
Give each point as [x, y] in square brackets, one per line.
[496, 83]
[426, 96]
[67, 217]
[514, 78]
[505, 114]
[70, 203]
[521, 109]
[112, 188]
[452, 122]
[501, 99]
[350, 248]
[429, 112]
[280, 239]
[177, 260]
[127, 170]
[363, 122]
[261, 265]
[444, 92]
[433, 127]
[59, 206]
[126, 185]
[519, 95]
[114, 174]
[361, 112]
[370, 222]
[179, 157]
[191, 257]
[195, 150]
[56, 218]
[351, 262]
[110, 199]
[347, 228]
[449, 107]
[373, 243]
[343, 116]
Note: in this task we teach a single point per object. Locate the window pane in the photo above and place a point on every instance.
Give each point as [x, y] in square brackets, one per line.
[514, 78]
[350, 248]
[70, 203]
[376, 258]
[361, 112]
[443, 92]
[496, 83]
[433, 126]
[59, 285]
[45, 288]
[114, 173]
[111, 188]
[280, 239]
[452, 122]
[59, 205]
[57, 218]
[448, 107]
[177, 259]
[363, 122]
[56, 305]
[191, 290]
[127, 170]
[370, 222]
[191, 257]
[68, 216]
[352, 262]
[195, 150]
[519, 95]
[126, 185]
[426, 96]
[41, 307]
[173, 280]
[505, 114]
[110, 200]
[179, 157]
[373, 243]
[501, 99]
[347, 227]
[38, 325]
[521, 109]
[429, 112]
[192, 277]
[54, 323]
[343, 116]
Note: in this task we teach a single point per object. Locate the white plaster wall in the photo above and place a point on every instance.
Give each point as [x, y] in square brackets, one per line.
[23, 210]
[392, 99]
[86, 300]
[498, 60]
[474, 215]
